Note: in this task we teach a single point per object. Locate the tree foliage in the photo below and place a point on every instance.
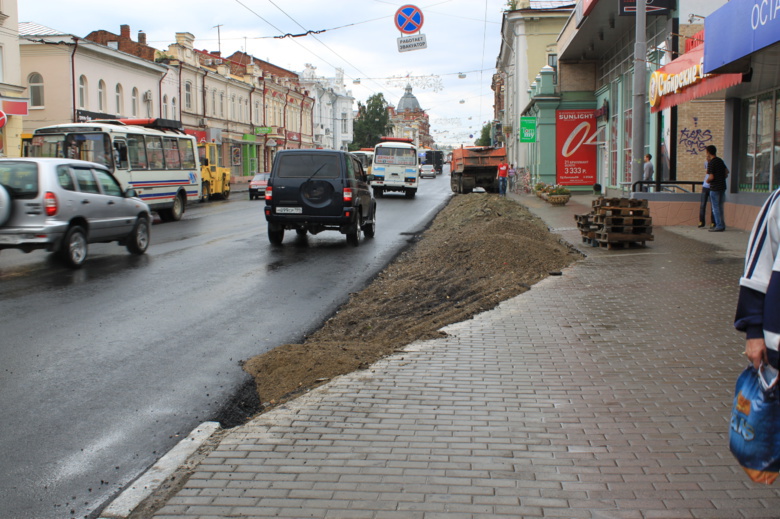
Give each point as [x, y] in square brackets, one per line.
[484, 138]
[372, 123]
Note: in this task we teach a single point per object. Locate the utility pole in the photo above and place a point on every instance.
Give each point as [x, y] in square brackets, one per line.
[219, 40]
[640, 93]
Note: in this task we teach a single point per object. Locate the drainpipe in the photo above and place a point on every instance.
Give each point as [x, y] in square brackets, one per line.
[73, 78]
[203, 89]
[159, 90]
[265, 135]
[181, 101]
[284, 116]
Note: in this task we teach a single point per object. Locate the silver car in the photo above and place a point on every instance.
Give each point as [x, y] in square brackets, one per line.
[62, 205]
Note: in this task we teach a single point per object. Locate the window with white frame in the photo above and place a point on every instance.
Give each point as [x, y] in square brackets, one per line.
[101, 96]
[165, 107]
[174, 112]
[188, 95]
[134, 102]
[83, 92]
[120, 102]
[35, 83]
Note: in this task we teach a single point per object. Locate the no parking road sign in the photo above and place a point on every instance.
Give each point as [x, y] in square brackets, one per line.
[409, 19]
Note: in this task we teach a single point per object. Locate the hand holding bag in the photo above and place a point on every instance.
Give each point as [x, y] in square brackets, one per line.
[754, 436]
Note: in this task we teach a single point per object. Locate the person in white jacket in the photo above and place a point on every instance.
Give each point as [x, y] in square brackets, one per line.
[758, 307]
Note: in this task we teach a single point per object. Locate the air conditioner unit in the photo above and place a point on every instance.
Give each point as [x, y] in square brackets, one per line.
[201, 122]
[208, 62]
[148, 95]
[218, 62]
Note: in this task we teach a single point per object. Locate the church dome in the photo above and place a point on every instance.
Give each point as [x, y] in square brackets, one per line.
[408, 101]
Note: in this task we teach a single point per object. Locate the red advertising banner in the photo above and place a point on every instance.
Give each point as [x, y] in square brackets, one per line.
[576, 157]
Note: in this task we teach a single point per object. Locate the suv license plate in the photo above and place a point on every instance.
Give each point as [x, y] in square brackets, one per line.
[289, 210]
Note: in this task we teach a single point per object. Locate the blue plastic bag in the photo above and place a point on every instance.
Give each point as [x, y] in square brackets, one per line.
[754, 436]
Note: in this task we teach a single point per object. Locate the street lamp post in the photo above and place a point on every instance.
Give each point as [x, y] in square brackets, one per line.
[640, 92]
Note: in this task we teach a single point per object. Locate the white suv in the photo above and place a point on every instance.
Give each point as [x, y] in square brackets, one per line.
[62, 205]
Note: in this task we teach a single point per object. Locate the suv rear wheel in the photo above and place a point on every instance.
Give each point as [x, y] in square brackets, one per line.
[275, 234]
[73, 251]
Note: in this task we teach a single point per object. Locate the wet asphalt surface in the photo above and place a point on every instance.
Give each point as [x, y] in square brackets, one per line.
[106, 368]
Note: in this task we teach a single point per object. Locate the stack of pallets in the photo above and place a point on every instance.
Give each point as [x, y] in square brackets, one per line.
[616, 222]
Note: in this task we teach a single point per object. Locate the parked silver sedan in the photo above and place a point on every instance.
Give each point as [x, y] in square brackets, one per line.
[62, 205]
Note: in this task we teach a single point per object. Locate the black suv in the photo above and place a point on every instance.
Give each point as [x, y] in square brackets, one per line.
[319, 190]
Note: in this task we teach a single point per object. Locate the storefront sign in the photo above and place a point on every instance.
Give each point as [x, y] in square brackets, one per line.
[684, 79]
[750, 25]
[200, 135]
[262, 130]
[528, 129]
[653, 7]
[15, 106]
[294, 136]
[576, 157]
[235, 153]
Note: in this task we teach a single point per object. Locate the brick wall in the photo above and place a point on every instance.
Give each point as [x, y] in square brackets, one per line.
[577, 77]
[125, 43]
[699, 124]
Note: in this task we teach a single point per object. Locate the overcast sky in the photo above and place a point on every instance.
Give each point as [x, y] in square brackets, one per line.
[463, 36]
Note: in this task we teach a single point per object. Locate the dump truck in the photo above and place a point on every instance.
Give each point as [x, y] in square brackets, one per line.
[214, 177]
[476, 166]
[436, 158]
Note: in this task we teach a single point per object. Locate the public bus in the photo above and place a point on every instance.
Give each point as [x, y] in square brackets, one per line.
[366, 157]
[395, 167]
[153, 156]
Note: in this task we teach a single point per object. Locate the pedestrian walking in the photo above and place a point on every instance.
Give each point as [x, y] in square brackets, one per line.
[705, 196]
[758, 306]
[716, 176]
[647, 170]
[512, 178]
[503, 172]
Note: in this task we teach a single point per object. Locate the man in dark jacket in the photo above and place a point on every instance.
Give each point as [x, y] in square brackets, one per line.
[716, 176]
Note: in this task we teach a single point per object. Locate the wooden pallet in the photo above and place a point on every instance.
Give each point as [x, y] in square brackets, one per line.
[623, 220]
[619, 202]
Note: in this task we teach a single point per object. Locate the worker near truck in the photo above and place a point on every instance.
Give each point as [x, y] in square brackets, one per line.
[503, 173]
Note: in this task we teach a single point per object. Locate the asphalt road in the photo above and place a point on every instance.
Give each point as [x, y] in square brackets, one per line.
[106, 368]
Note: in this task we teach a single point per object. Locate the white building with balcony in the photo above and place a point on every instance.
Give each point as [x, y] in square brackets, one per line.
[333, 114]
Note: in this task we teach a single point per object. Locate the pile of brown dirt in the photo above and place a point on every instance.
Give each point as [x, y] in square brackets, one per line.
[480, 250]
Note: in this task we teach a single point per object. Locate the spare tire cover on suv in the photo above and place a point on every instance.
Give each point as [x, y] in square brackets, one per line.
[317, 193]
[6, 204]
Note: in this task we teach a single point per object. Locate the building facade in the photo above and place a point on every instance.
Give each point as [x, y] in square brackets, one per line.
[528, 35]
[74, 80]
[409, 120]
[333, 115]
[14, 98]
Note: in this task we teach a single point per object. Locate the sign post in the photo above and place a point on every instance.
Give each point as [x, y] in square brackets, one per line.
[528, 129]
[409, 20]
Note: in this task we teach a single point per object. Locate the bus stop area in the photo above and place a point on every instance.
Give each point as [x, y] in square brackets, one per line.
[603, 392]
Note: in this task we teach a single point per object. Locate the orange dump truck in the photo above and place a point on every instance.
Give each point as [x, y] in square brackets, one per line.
[474, 167]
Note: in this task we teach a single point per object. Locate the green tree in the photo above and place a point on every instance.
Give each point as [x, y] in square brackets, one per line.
[484, 138]
[371, 123]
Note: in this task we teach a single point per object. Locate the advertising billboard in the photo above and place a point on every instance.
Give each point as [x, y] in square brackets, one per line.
[575, 132]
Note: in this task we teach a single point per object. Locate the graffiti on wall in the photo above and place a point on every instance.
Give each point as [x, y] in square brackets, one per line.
[694, 140]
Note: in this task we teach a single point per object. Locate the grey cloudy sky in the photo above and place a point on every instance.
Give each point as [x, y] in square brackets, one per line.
[359, 36]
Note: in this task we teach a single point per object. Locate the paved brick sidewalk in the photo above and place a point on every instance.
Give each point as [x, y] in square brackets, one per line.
[601, 393]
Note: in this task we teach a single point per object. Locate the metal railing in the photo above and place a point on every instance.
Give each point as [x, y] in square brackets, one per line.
[666, 186]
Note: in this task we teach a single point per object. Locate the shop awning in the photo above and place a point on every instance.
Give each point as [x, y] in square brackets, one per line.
[684, 80]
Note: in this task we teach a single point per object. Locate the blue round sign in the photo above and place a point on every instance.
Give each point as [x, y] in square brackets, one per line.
[409, 19]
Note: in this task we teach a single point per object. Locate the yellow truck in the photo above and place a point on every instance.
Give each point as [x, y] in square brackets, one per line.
[215, 178]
